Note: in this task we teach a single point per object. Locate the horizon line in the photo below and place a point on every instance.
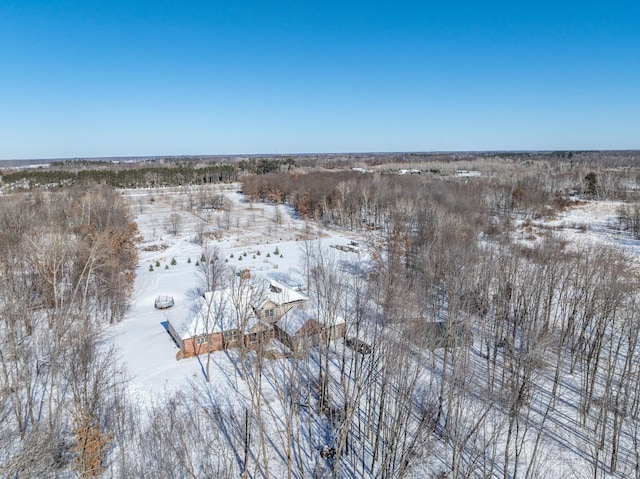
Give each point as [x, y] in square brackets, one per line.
[336, 153]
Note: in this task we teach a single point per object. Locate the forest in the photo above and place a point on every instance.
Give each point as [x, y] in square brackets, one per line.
[546, 386]
[134, 177]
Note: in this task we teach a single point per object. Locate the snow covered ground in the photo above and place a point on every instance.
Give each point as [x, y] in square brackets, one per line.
[248, 236]
[245, 230]
[583, 223]
[270, 241]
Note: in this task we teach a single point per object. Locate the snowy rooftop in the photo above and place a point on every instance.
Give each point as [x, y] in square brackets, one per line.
[279, 294]
[293, 320]
[212, 313]
[215, 311]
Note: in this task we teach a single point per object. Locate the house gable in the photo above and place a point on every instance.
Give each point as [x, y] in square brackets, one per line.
[299, 331]
[280, 300]
[311, 326]
[267, 311]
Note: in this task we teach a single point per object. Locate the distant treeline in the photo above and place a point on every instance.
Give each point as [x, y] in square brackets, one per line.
[266, 165]
[126, 178]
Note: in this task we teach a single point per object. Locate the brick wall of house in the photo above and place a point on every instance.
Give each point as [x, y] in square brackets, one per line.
[195, 346]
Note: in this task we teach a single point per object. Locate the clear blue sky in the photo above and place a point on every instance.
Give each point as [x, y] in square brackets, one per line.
[113, 78]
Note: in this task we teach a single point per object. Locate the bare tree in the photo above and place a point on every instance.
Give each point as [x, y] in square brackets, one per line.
[175, 223]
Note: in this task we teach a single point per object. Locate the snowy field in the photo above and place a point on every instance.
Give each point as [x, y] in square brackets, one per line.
[584, 223]
[247, 235]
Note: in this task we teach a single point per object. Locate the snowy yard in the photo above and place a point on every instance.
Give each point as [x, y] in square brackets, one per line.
[254, 233]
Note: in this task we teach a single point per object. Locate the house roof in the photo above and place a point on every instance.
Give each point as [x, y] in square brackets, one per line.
[212, 313]
[293, 321]
[280, 294]
[296, 319]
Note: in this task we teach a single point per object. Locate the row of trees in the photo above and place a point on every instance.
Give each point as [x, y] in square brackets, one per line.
[355, 200]
[124, 177]
[261, 166]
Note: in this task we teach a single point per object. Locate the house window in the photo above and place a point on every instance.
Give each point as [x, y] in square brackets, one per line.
[202, 340]
[230, 336]
[270, 312]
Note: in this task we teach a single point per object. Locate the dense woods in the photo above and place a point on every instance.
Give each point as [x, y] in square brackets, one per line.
[66, 268]
[357, 200]
[138, 177]
[548, 318]
[540, 373]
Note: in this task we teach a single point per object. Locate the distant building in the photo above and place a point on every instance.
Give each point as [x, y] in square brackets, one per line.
[468, 173]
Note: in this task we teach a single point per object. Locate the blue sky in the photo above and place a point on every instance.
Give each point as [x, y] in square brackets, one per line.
[93, 78]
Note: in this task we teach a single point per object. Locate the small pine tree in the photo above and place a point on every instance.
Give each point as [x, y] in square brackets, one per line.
[281, 256]
[157, 263]
[197, 263]
[189, 260]
[150, 267]
[258, 253]
[253, 257]
[231, 255]
[239, 258]
[276, 251]
[166, 266]
[173, 262]
[268, 255]
[203, 258]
